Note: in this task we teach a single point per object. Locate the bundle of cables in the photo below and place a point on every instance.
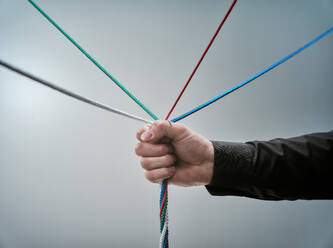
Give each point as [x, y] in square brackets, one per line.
[164, 230]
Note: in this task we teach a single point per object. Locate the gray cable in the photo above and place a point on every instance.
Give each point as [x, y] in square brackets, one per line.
[72, 94]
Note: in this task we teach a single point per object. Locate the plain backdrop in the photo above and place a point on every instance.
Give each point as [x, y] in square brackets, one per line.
[69, 177]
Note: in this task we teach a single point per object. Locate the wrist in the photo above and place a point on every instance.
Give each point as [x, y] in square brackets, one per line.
[209, 166]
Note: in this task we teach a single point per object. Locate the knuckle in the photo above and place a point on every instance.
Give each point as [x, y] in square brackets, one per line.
[181, 127]
[160, 125]
[164, 124]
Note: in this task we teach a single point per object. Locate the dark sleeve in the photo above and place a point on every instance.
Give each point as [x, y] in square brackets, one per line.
[279, 169]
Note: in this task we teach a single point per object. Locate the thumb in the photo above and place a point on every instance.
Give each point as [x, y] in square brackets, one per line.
[163, 129]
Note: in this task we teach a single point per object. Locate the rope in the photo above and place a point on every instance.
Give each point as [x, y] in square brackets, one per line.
[137, 101]
[71, 94]
[202, 57]
[164, 223]
[164, 230]
[253, 77]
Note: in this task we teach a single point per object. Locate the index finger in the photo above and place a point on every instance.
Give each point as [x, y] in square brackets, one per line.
[141, 131]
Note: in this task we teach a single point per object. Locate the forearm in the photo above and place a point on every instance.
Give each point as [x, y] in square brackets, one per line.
[295, 168]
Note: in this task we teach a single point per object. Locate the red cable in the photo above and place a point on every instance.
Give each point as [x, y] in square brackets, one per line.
[164, 196]
[188, 81]
[195, 69]
[202, 57]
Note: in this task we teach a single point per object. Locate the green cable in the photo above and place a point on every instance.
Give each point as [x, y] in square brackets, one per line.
[94, 61]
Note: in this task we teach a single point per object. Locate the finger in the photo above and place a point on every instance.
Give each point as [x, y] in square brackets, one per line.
[152, 163]
[142, 130]
[158, 175]
[152, 150]
[160, 129]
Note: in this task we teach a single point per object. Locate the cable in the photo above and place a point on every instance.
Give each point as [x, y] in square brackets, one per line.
[164, 186]
[253, 77]
[202, 57]
[94, 61]
[71, 94]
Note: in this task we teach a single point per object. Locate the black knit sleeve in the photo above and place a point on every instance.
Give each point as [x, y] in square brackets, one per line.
[279, 169]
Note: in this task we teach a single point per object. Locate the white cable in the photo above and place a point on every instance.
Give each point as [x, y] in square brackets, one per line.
[164, 230]
[72, 94]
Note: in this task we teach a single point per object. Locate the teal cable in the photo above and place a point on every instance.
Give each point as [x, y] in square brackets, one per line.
[94, 61]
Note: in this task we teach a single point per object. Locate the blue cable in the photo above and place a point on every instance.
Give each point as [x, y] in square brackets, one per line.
[253, 77]
[163, 186]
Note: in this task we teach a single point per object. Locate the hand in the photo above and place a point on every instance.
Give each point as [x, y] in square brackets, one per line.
[171, 150]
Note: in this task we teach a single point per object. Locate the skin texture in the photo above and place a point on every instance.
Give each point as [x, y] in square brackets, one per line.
[171, 150]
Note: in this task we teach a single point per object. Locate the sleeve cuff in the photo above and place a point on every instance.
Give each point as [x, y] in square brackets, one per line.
[233, 172]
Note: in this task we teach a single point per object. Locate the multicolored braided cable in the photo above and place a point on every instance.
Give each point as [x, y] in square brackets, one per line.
[164, 228]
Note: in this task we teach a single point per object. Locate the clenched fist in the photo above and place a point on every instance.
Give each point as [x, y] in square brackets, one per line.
[171, 150]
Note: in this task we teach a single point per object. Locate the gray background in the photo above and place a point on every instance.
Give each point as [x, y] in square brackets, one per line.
[68, 173]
